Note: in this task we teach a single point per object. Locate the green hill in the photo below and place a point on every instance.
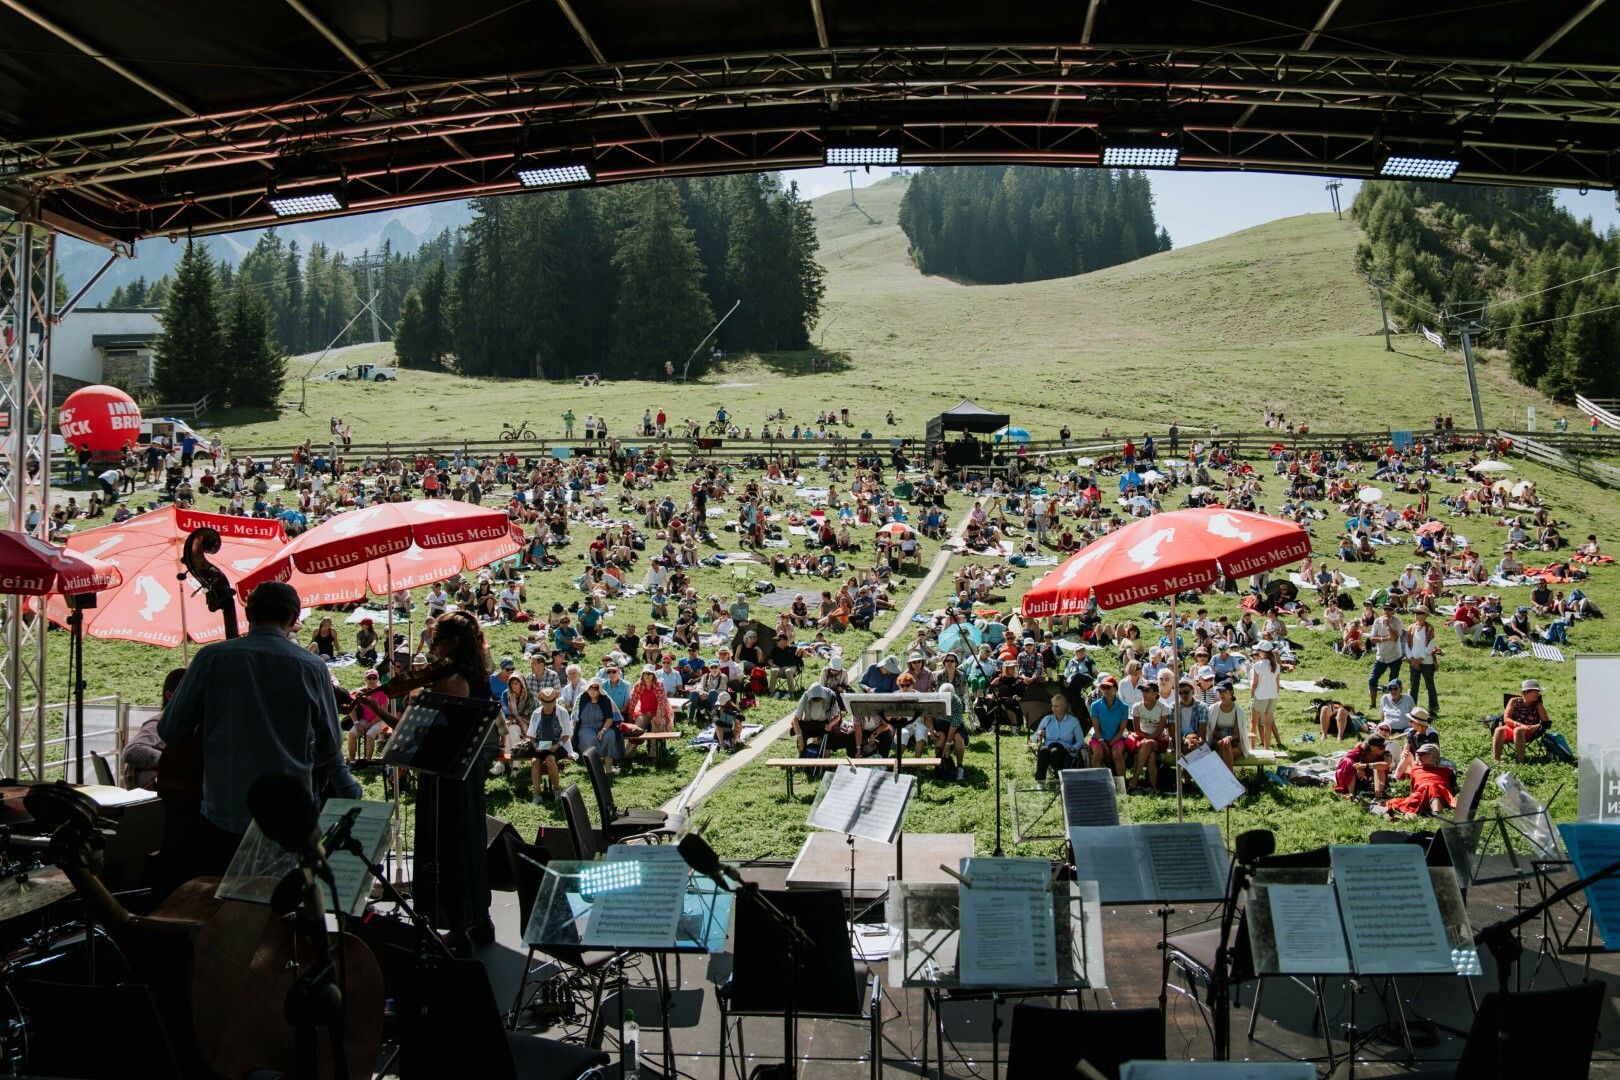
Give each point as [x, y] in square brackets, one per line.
[1213, 333]
[1271, 315]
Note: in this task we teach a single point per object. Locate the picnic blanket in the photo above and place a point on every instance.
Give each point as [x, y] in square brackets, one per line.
[1304, 686]
[1591, 560]
[1305, 583]
[705, 739]
[376, 615]
[1546, 652]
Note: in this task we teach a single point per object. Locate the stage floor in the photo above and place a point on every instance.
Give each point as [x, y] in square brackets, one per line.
[1285, 1028]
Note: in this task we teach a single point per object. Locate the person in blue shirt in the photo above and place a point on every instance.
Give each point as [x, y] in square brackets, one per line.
[262, 704]
[1110, 736]
[565, 639]
[614, 686]
[590, 619]
[1225, 664]
[1058, 738]
[498, 680]
[880, 677]
[692, 666]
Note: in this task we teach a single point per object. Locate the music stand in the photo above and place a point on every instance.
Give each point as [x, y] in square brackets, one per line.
[868, 803]
[440, 736]
[925, 952]
[1453, 910]
[577, 900]
[1160, 864]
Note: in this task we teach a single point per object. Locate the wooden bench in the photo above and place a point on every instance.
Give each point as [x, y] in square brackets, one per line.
[788, 765]
[658, 740]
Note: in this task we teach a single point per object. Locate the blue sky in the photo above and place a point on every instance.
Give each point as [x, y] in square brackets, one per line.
[1198, 206]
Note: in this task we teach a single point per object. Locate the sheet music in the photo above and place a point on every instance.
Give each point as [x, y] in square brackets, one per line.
[1181, 861]
[1592, 846]
[353, 876]
[1218, 783]
[1391, 915]
[637, 897]
[1089, 797]
[1111, 855]
[869, 803]
[1309, 930]
[1007, 936]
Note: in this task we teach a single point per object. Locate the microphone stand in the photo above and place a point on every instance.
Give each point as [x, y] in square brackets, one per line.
[1501, 937]
[315, 998]
[1221, 977]
[796, 940]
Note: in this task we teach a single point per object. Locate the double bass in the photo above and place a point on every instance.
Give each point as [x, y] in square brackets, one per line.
[180, 769]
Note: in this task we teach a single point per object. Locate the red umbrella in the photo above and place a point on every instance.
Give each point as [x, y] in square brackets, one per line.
[1164, 554]
[32, 567]
[428, 540]
[151, 605]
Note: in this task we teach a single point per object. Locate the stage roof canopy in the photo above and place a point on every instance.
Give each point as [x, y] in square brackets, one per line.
[161, 117]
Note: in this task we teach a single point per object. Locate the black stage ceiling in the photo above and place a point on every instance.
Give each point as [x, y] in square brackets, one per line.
[161, 117]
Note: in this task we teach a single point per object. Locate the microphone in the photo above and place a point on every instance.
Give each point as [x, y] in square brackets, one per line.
[1252, 846]
[339, 835]
[703, 860]
[284, 810]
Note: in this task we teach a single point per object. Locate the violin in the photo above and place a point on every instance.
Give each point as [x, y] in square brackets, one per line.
[406, 684]
[180, 769]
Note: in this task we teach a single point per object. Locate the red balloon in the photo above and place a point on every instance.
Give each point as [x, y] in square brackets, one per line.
[99, 418]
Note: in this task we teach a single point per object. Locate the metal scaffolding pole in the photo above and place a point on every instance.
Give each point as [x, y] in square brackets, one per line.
[27, 300]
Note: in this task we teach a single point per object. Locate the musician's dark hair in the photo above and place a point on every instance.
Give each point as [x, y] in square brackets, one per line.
[459, 630]
[273, 602]
[171, 683]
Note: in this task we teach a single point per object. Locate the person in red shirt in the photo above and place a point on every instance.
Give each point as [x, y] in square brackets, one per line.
[649, 707]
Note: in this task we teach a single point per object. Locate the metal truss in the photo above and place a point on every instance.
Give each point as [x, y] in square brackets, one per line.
[1290, 110]
[27, 297]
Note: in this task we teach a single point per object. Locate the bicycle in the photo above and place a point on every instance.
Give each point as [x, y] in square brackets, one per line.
[715, 427]
[522, 431]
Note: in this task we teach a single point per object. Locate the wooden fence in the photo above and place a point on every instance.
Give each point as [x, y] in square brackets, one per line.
[1250, 444]
[1535, 448]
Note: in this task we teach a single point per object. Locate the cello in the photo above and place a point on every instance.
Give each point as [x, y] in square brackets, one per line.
[219, 971]
[180, 769]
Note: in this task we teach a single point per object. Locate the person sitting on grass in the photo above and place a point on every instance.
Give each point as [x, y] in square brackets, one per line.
[1363, 770]
[1523, 718]
[1336, 718]
[1058, 739]
[1432, 785]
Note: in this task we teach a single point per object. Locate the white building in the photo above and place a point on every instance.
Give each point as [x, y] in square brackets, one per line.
[104, 345]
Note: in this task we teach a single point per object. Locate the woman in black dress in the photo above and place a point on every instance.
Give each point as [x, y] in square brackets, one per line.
[452, 876]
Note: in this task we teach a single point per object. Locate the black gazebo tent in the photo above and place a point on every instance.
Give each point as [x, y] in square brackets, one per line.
[966, 417]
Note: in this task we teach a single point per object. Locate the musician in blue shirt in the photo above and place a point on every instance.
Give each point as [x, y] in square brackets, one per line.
[1058, 738]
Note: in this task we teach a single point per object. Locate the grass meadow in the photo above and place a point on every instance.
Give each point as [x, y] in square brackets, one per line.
[1209, 335]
